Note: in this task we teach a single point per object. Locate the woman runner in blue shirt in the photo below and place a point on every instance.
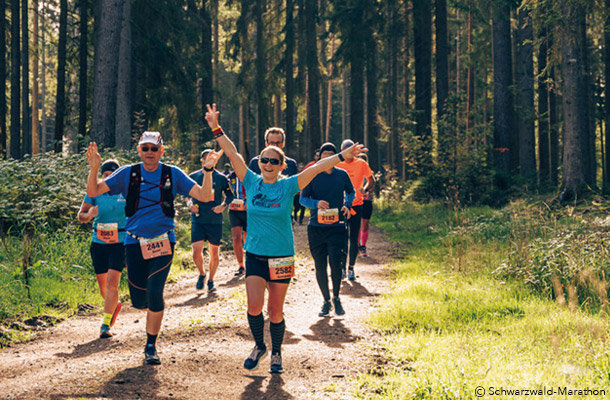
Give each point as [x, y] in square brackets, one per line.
[107, 251]
[270, 242]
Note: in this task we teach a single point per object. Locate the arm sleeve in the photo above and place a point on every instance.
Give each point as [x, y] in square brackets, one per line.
[306, 199]
[293, 185]
[350, 193]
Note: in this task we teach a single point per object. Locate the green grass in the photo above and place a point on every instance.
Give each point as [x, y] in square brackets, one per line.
[450, 325]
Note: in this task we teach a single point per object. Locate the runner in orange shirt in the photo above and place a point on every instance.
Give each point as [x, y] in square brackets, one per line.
[357, 170]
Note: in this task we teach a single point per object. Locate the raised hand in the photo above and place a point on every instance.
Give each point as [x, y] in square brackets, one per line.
[212, 159]
[212, 116]
[354, 151]
[93, 156]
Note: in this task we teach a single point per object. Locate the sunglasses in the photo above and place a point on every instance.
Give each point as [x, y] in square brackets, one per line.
[272, 161]
[153, 149]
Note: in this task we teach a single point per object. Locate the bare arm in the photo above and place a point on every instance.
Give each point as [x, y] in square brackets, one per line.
[370, 183]
[94, 188]
[307, 175]
[87, 212]
[237, 161]
[204, 193]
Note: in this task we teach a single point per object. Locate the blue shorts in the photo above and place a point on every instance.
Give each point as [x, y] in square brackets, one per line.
[206, 232]
[238, 218]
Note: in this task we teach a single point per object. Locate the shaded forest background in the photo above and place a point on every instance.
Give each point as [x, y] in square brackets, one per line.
[472, 99]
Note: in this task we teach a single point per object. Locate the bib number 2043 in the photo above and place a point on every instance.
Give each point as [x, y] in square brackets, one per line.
[281, 268]
[155, 247]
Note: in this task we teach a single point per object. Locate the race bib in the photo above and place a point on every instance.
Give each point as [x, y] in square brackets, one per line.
[238, 205]
[329, 216]
[108, 233]
[281, 268]
[155, 247]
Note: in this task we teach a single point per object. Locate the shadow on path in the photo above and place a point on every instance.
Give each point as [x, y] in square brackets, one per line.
[332, 332]
[274, 391]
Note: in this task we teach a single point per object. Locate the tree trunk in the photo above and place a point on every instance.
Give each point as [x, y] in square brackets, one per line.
[329, 99]
[589, 153]
[25, 81]
[575, 134]
[442, 57]
[357, 62]
[525, 96]
[124, 93]
[82, 76]
[3, 132]
[543, 111]
[393, 31]
[606, 183]
[43, 82]
[207, 73]
[60, 106]
[469, 79]
[554, 127]
[289, 72]
[15, 139]
[35, 62]
[503, 104]
[262, 97]
[106, 61]
[422, 38]
[313, 78]
[371, 101]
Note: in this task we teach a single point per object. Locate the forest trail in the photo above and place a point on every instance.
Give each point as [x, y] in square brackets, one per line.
[204, 341]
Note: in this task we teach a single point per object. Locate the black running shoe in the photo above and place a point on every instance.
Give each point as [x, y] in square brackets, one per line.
[211, 286]
[257, 354]
[351, 275]
[326, 307]
[276, 364]
[150, 355]
[338, 307]
[200, 281]
[240, 271]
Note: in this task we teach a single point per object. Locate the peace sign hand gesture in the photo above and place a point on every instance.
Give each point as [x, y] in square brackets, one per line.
[212, 116]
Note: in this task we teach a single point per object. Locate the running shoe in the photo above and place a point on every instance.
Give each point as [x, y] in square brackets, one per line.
[338, 307]
[105, 332]
[276, 364]
[115, 313]
[257, 354]
[150, 355]
[211, 286]
[326, 307]
[350, 274]
[240, 271]
[200, 281]
[363, 251]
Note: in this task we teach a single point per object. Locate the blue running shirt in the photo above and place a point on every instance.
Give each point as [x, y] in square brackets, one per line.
[149, 220]
[269, 215]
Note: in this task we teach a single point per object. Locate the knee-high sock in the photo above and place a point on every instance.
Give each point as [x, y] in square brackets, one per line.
[257, 327]
[277, 336]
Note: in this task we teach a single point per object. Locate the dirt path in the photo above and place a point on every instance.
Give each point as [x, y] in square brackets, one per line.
[204, 341]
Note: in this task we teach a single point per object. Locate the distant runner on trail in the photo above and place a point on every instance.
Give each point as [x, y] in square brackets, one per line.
[107, 249]
[367, 212]
[238, 220]
[329, 197]
[149, 188]
[206, 220]
[270, 242]
[358, 170]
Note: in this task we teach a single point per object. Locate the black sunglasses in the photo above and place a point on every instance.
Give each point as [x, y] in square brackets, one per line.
[273, 161]
[153, 149]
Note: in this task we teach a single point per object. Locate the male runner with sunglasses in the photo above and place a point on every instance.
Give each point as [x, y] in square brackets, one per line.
[149, 188]
[275, 136]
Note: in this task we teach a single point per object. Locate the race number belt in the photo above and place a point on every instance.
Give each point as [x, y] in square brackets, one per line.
[108, 232]
[328, 216]
[238, 205]
[281, 268]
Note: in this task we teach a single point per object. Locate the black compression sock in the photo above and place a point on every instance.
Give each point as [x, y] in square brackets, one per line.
[151, 339]
[257, 326]
[277, 336]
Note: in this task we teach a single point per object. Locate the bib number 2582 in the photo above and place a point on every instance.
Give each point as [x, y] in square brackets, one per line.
[281, 268]
[155, 247]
